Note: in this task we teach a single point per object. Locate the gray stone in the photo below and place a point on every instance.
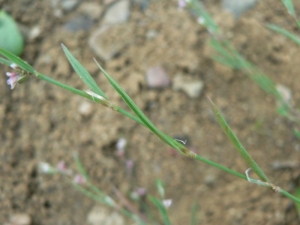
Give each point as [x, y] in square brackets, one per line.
[118, 13]
[80, 22]
[92, 9]
[69, 5]
[238, 7]
[156, 77]
[101, 216]
[109, 40]
[192, 87]
[285, 93]
[19, 219]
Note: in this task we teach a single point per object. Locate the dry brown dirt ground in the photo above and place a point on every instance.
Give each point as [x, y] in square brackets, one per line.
[40, 122]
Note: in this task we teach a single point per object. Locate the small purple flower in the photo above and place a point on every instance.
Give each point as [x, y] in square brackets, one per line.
[141, 191]
[61, 167]
[79, 179]
[13, 79]
[181, 4]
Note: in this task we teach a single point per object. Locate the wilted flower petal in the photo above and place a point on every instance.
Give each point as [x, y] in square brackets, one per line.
[46, 168]
[167, 202]
[14, 66]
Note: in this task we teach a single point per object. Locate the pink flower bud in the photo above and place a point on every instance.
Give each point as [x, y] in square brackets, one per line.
[79, 179]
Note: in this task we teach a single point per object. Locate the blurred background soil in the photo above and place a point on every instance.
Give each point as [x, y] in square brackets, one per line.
[42, 123]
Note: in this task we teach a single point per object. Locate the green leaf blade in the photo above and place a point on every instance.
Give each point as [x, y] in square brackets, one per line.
[162, 210]
[235, 141]
[5, 61]
[289, 6]
[284, 32]
[15, 59]
[138, 112]
[83, 73]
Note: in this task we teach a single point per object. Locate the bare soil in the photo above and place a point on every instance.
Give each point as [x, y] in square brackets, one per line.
[42, 123]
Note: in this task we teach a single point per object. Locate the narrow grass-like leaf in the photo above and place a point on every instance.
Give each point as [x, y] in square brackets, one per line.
[5, 61]
[297, 134]
[289, 6]
[83, 73]
[200, 10]
[80, 167]
[162, 210]
[15, 59]
[160, 187]
[139, 113]
[194, 220]
[284, 32]
[235, 141]
[266, 84]
[297, 194]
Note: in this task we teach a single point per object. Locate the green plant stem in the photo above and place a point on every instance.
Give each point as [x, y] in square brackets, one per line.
[237, 174]
[85, 95]
[125, 113]
[290, 196]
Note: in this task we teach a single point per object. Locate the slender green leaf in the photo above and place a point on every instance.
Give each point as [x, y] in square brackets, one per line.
[297, 194]
[15, 59]
[160, 188]
[162, 210]
[139, 113]
[199, 9]
[5, 61]
[284, 32]
[194, 220]
[297, 133]
[83, 73]
[80, 167]
[235, 141]
[289, 6]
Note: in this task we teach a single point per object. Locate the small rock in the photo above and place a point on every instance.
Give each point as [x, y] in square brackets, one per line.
[80, 22]
[109, 40]
[238, 7]
[93, 10]
[151, 34]
[34, 32]
[101, 216]
[63, 5]
[191, 87]
[20, 219]
[85, 108]
[210, 180]
[278, 165]
[69, 5]
[156, 77]
[285, 93]
[118, 13]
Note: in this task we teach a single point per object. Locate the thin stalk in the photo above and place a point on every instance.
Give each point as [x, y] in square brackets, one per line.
[290, 196]
[85, 95]
[237, 174]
